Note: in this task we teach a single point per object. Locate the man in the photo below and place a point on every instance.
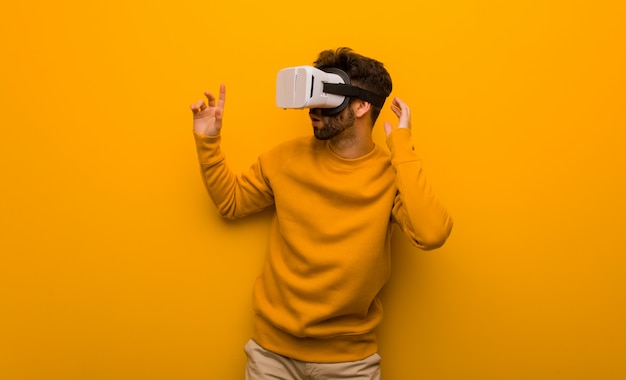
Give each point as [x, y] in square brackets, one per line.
[336, 197]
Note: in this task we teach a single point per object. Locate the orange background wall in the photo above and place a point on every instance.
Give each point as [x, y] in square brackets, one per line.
[114, 264]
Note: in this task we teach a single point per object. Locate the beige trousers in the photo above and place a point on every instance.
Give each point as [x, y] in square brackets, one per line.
[263, 364]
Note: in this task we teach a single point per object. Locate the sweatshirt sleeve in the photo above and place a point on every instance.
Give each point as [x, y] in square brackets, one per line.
[416, 209]
[233, 195]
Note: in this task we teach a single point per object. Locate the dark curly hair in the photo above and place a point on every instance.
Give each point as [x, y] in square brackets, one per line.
[364, 72]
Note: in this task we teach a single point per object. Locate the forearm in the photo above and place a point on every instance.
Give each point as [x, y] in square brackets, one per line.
[233, 195]
[417, 210]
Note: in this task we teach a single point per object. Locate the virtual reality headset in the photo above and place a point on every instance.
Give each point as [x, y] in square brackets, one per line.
[327, 88]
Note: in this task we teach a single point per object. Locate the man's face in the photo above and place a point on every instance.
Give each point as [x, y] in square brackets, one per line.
[327, 127]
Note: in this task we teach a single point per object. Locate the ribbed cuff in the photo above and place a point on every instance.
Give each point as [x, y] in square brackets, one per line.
[208, 148]
[401, 147]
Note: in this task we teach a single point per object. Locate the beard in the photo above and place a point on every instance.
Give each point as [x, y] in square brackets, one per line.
[333, 126]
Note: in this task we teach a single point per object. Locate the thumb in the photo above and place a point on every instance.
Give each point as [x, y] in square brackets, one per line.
[219, 115]
[388, 128]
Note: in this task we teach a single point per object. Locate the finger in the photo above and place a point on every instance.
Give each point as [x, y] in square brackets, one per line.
[222, 99]
[396, 110]
[198, 106]
[405, 114]
[211, 98]
[402, 111]
[406, 111]
[404, 106]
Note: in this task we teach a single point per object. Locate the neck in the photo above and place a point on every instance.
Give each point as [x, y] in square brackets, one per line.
[352, 146]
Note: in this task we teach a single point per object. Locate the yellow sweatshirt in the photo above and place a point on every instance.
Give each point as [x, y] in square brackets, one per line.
[316, 298]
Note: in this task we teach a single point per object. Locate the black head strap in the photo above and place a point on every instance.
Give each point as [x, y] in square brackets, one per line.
[354, 92]
[348, 91]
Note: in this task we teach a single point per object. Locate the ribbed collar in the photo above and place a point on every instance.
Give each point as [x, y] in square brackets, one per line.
[351, 163]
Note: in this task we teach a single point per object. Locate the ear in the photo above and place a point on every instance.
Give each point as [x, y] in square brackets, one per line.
[361, 107]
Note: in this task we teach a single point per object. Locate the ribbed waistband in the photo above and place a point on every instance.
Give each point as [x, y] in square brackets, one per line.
[343, 348]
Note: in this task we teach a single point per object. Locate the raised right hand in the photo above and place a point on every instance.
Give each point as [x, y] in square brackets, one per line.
[403, 112]
[207, 120]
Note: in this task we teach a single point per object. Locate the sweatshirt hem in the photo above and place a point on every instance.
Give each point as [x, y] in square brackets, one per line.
[343, 348]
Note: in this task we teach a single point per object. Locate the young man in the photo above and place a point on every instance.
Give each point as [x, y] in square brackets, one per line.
[336, 196]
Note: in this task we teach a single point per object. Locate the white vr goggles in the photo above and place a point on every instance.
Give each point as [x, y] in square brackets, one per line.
[327, 88]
